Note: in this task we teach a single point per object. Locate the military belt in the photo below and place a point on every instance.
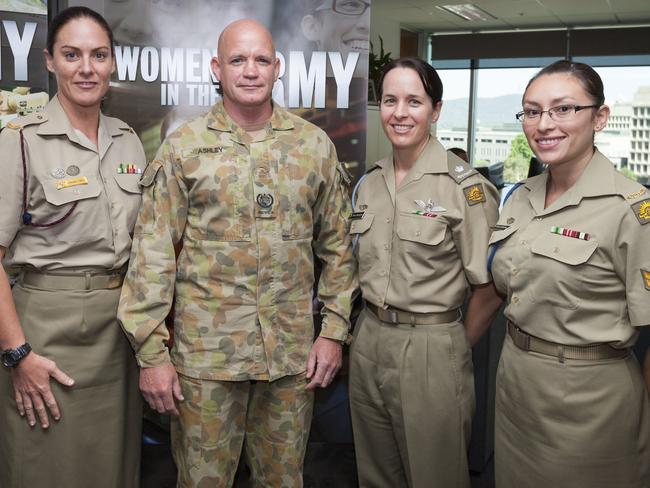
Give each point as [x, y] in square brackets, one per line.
[394, 316]
[531, 343]
[81, 280]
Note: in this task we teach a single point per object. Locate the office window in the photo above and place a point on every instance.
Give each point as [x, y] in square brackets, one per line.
[455, 105]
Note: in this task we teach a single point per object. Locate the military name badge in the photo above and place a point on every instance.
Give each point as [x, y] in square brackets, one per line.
[82, 180]
[474, 194]
[357, 215]
[645, 276]
[642, 211]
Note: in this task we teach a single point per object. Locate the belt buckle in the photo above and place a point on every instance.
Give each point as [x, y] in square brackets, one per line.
[523, 339]
[393, 317]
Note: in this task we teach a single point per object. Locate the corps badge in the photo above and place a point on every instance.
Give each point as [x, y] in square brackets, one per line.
[646, 278]
[474, 194]
[642, 211]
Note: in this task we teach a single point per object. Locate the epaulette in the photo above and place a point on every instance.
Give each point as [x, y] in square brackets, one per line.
[636, 195]
[126, 128]
[27, 120]
[639, 201]
[459, 170]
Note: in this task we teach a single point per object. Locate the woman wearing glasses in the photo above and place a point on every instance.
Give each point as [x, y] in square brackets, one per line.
[70, 409]
[571, 255]
[421, 223]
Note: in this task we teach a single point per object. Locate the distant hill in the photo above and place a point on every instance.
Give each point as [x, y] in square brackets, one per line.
[491, 112]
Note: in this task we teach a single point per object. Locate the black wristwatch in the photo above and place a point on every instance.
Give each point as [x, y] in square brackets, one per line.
[11, 357]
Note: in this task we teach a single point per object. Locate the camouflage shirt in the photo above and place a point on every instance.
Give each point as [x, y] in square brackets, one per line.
[251, 210]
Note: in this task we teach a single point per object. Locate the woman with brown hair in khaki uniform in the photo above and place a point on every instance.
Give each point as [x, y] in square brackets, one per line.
[571, 255]
[70, 414]
[421, 223]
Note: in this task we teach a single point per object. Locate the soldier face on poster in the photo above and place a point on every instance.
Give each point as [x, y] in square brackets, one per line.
[164, 49]
[23, 75]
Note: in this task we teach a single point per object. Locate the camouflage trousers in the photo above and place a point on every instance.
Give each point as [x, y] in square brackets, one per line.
[271, 420]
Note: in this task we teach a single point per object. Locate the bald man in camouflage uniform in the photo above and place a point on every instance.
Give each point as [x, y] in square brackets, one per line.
[253, 193]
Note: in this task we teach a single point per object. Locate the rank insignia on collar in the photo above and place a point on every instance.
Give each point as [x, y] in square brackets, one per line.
[642, 211]
[474, 194]
[459, 169]
[357, 215]
[499, 227]
[510, 221]
[646, 278]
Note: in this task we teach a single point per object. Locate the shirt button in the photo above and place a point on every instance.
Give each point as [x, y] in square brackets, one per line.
[523, 242]
[388, 220]
[417, 232]
[382, 273]
[556, 250]
[387, 246]
[515, 299]
[538, 219]
[515, 271]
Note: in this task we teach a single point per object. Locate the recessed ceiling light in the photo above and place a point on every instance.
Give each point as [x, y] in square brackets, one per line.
[467, 11]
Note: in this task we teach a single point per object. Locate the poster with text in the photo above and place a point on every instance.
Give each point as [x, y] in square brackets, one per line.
[164, 48]
[23, 75]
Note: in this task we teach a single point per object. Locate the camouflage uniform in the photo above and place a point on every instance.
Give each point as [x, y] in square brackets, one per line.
[250, 209]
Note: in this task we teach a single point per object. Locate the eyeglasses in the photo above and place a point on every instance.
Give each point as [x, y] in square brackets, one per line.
[561, 112]
[347, 7]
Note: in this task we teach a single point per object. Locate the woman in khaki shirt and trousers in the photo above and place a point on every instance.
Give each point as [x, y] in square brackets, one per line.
[421, 223]
[70, 415]
[572, 255]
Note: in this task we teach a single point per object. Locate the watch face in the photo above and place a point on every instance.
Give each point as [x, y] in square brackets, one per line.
[8, 360]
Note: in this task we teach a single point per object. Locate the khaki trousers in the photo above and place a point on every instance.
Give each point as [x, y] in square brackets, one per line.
[97, 441]
[412, 400]
[270, 419]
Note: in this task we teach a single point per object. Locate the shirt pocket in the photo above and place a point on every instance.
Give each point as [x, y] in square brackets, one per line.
[561, 263]
[86, 223]
[129, 197]
[429, 231]
[56, 194]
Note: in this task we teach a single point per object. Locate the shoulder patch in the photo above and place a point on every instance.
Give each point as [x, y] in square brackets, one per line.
[642, 211]
[458, 169]
[474, 194]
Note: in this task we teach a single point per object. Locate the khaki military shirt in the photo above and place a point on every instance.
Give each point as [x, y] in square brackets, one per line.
[251, 211]
[416, 258]
[64, 169]
[577, 272]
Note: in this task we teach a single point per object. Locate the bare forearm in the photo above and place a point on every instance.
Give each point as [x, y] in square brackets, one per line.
[482, 307]
[11, 334]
